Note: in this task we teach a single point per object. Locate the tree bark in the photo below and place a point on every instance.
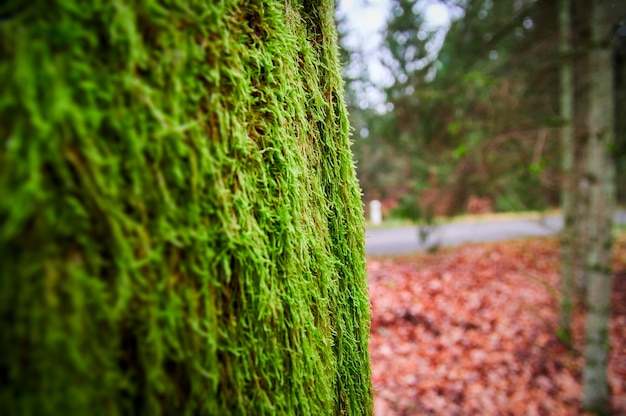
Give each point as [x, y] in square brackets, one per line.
[581, 47]
[567, 180]
[600, 175]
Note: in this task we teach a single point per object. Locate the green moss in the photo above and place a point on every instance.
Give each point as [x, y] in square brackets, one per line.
[181, 230]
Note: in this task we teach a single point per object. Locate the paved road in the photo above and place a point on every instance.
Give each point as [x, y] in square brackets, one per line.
[407, 239]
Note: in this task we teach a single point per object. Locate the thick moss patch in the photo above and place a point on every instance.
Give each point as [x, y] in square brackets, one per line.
[181, 230]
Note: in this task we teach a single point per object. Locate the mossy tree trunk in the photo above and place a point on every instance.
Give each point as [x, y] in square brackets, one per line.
[181, 228]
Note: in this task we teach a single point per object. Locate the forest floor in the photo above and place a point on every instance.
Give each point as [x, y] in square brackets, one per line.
[471, 330]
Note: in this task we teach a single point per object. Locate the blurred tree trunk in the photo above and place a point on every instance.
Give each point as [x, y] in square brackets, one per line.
[567, 179]
[600, 176]
[620, 107]
[580, 48]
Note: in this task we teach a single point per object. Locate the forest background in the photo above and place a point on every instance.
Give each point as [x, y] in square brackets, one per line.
[463, 114]
[504, 106]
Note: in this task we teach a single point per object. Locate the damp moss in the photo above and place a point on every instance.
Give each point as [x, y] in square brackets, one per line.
[181, 230]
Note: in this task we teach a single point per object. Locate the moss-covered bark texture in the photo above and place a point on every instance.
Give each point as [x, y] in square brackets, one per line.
[181, 231]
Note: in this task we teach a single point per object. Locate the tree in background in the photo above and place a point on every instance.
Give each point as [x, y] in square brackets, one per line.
[620, 104]
[575, 197]
[568, 280]
[180, 225]
[479, 114]
[383, 173]
[600, 176]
